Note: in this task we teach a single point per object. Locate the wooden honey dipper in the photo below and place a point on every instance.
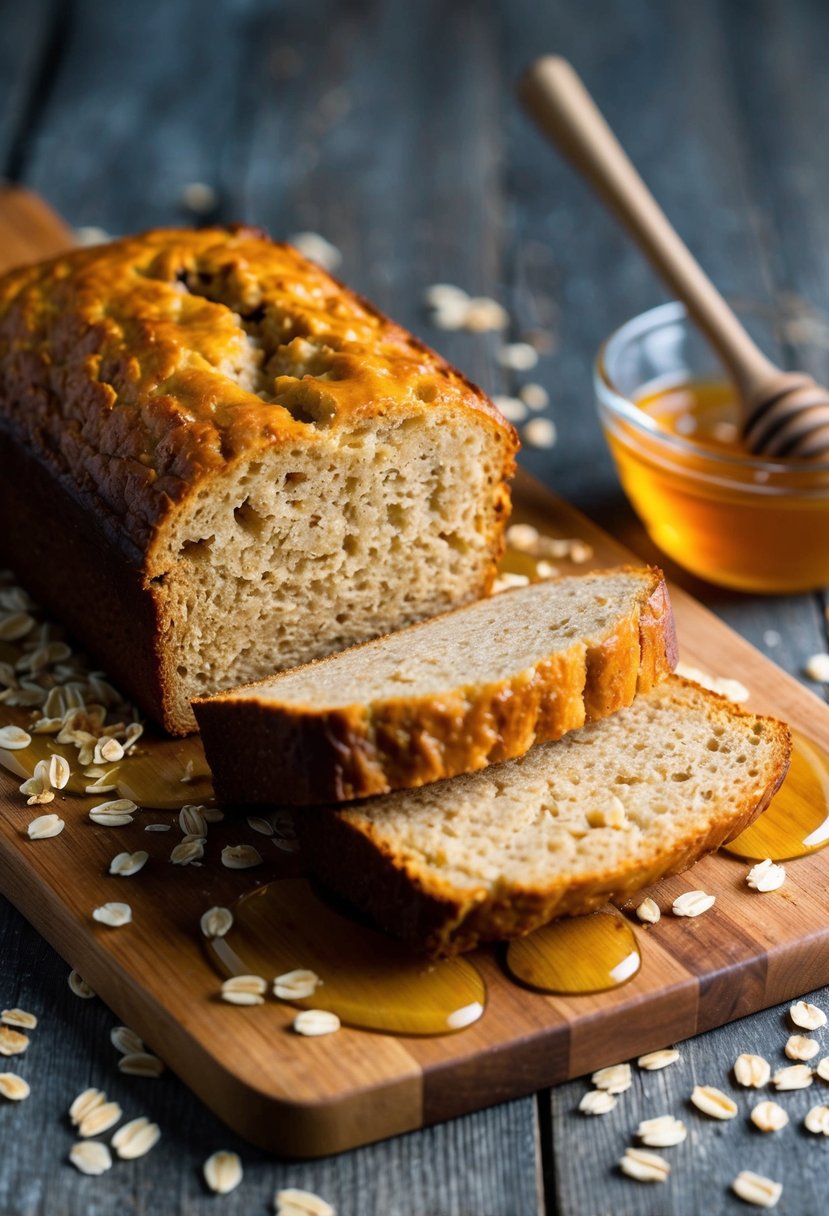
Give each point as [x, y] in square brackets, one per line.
[783, 413]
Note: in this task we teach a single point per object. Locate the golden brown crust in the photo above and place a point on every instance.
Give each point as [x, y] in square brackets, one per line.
[439, 919]
[337, 755]
[134, 374]
[132, 365]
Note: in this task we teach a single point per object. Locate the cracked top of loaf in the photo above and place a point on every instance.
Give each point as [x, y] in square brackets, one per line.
[140, 368]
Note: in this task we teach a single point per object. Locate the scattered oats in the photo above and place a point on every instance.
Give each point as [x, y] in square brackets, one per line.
[523, 537]
[315, 1022]
[658, 1059]
[15, 625]
[546, 569]
[107, 751]
[90, 1157]
[187, 775]
[113, 814]
[771, 638]
[580, 552]
[157, 827]
[188, 851]
[59, 771]
[535, 396]
[199, 197]
[769, 1117]
[244, 990]
[240, 856]
[293, 1202]
[285, 842]
[754, 1188]
[90, 234]
[713, 1102]
[80, 987]
[807, 1016]
[127, 864]
[141, 1064]
[483, 314]
[315, 247]
[662, 1132]
[16, 1089]
[295, 985]
[452, 314]
[822, 1069]
[693, 903]
[113, 914]
[597, 1102]
[12, 1042]
[512, 408]
[20, 1018]
[799, 1047]
[132, 734]
[125, 1040]
[644, 1166]
[212, 814]
[795, 1076]
[540, 433]
[191, 821]
[263, 826]
[222, 1172]
[100, 1118]
[103, 785]
[648, 911]
[615, 1079]
[732, 690]
[136, 1138]
[817, 1121]
[518, 356]
[45, 826]
[507, 580]
[216, 922]
[817, 668]
[13, 738]
[766, 876]
[752, 1071]
[86, 1101]
[442, 295]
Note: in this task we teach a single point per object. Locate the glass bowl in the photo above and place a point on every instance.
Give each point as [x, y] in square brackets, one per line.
[737, 520]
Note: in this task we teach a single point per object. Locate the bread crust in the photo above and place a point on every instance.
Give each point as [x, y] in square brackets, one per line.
[261, 752]
[439, 919]
[136, 374]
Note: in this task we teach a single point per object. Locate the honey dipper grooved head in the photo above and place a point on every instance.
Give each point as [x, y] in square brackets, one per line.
[789, 417]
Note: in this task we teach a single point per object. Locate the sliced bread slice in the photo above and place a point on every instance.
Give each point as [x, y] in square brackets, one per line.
[451, 695]
[597, 815]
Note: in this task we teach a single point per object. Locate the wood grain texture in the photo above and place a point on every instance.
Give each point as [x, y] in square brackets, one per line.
[434, 175]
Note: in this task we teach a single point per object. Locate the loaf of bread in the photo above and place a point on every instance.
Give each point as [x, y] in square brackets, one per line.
[597, 815]
[218, 462]
[472, 687]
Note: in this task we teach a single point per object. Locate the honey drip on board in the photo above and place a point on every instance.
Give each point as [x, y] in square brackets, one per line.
[369, 980]
[797, 820]
[586, 954]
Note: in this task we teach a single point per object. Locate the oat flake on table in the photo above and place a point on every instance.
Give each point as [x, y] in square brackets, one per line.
[222, 1172]
[295, 1202]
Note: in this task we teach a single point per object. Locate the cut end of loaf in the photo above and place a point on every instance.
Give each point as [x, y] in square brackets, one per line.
[597, 815]
[312, 547]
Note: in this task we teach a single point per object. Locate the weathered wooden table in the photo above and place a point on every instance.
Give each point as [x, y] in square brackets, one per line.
[392, 129]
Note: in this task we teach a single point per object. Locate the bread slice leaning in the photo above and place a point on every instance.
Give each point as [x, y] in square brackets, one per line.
[597, 815]
[451, 695]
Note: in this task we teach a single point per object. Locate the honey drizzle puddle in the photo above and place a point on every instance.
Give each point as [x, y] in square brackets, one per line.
[797, 821]
[369, 980]
[586, 954]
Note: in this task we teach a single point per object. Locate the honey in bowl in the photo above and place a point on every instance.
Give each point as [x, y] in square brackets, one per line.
[726, 516]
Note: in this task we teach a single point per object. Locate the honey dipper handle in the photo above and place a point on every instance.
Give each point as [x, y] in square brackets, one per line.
[561, 105]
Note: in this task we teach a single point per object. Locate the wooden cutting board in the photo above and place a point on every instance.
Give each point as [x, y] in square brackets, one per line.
[309, 1097]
